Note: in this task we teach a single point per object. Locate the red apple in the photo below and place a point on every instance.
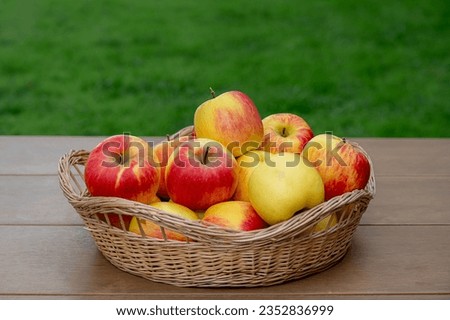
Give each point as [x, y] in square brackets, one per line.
[200, 173]
[342, 166]
[120, 166]
[237, 215]
[115, 220]
[285, 132]
[162, 152]
[232, 119]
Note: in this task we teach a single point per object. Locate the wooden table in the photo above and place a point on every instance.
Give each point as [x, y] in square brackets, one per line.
[401, 250]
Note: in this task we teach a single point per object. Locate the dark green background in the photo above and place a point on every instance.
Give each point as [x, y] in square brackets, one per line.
[357, 68]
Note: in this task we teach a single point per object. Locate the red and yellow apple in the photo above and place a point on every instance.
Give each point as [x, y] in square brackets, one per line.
[247, 163]
[153, 230]
[342, 166]
[285, 132]
[200, 173]
[237, 215]
[121, 166]
[162, 152]
[232, 119]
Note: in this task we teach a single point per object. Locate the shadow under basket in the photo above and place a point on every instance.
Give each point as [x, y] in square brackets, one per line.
[214, 256]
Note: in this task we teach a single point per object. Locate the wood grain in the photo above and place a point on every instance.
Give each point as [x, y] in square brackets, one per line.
[383, 260]
[408, 156]
[34, 200]
[410, 200]
[246, 296]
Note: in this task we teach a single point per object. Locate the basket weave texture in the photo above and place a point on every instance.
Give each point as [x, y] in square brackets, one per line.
[215, 256]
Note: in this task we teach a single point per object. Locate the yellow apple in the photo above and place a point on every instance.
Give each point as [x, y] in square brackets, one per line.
[326, 223]
[247, 163]
[151, 229]
[283, 185]
[232, 119]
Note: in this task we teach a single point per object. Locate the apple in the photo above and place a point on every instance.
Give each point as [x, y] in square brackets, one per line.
[232, 119]
[201, 172]
[341, 164]
[237, 215]
[285, 132]
[120, 166]
[162, 152]
[247, 163]
[199, 213]
[283, 185]
[115, 219]
[326, 223]
[153, 230]
[113, 168]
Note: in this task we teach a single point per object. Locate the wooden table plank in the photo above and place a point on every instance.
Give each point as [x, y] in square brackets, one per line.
[410, 200]
[408, 156]
[247, 296]
[399, 200]
[34, 200]
[40, 154]
[383, 261]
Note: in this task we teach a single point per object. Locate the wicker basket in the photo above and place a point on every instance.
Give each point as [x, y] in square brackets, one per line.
[214, 256]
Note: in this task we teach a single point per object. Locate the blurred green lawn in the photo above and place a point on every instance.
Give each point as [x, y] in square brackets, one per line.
[357, 68]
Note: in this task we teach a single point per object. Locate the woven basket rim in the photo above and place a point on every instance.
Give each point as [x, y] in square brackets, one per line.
[198, 230]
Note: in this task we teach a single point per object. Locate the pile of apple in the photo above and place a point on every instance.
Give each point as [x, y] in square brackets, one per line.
[234, 170]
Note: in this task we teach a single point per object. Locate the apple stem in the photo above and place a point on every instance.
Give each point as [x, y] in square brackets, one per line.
[213, 94]
[283, 133]
[344, 140]
[168, 137]
[205, 155]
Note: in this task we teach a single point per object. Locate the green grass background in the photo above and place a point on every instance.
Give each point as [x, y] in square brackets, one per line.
[357, 68]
